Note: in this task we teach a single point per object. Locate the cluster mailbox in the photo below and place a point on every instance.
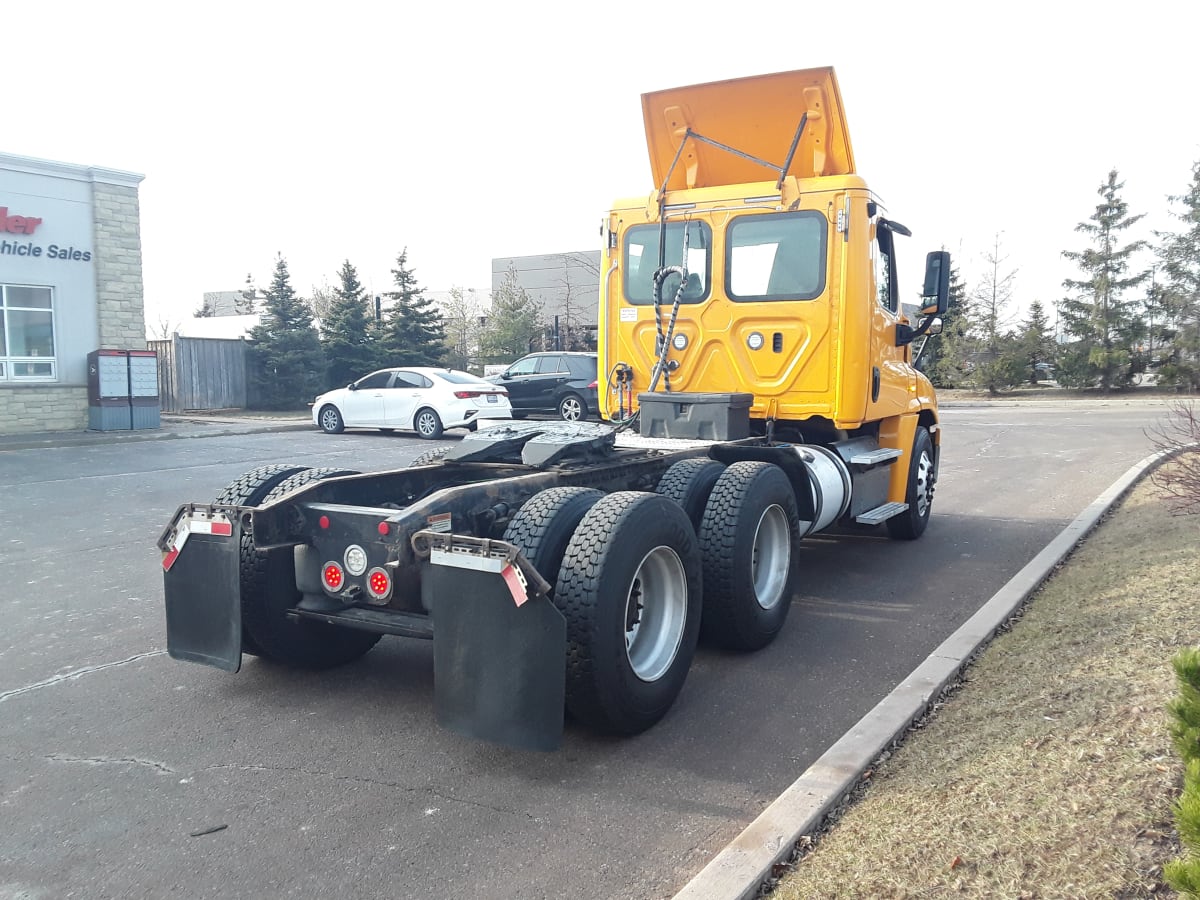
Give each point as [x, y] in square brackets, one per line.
[122, 390]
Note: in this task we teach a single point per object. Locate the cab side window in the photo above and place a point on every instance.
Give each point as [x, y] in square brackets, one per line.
[882, 256]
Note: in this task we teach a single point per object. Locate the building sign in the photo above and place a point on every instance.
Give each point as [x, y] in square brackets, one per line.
[25, 226]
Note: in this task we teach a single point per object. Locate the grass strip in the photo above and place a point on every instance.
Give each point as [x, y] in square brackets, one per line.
[1050, 771]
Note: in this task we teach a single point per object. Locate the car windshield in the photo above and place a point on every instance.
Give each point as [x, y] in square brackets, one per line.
[461, 378]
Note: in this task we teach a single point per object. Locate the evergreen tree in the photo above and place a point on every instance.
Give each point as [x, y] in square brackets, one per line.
[1180, 258]
[244, 304]
[286, 366]
[514, 322]
[412, 333]
[1036, 342]
[1106, 326]
[346, 333]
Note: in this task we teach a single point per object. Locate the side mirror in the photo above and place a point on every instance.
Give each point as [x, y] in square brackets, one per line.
[935, 327]
[352, 386]
[935, 298]
[506, 375]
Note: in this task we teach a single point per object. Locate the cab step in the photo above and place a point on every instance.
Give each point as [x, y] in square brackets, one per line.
[875, 457]
[880, 513]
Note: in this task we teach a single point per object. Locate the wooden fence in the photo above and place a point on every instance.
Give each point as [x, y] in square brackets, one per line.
[201, 373]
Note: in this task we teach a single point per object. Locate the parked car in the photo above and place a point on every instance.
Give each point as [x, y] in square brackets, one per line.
[424, 400]
[563, 383]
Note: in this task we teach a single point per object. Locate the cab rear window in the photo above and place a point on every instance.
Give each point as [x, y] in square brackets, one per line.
[641, 260]
[778, 256]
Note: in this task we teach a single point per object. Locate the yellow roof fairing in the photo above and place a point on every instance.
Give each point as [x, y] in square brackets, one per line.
[756, 116]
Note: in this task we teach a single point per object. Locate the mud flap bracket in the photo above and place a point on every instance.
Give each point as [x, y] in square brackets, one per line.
[202, 587]
[499, 668]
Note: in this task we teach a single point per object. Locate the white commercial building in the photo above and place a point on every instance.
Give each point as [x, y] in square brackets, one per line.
[70, 283]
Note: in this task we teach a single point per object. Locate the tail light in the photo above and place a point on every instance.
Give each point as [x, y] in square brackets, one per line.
[595, 381]
[379, 584]
[333, 576]
[468, 395]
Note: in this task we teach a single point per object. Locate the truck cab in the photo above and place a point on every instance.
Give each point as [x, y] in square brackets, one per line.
[761, 264]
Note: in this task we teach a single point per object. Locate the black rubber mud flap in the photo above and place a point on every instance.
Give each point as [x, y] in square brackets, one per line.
[499, 670]
[204, 605]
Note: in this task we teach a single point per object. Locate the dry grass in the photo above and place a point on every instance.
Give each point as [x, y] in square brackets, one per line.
[1049, 773]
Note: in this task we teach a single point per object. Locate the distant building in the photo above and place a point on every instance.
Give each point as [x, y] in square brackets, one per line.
[566, 284]
[226, 327]
[229, 303]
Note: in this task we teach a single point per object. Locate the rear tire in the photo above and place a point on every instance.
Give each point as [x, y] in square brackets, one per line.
[747, 538]
[689, 483]
[922, 476]
[249, 490]
[269, 591]
[331, 419]
[428, 424]
[429, 457]
[543, 527]
[629, 587]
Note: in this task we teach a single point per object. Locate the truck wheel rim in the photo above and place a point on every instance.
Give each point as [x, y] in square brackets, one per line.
[329, 419]
[924, 484]
[570, 409]
[771, 557]
[655, 613]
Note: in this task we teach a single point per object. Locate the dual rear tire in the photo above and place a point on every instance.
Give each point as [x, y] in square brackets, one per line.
[268, 584]
[637, 581]
[626, 574]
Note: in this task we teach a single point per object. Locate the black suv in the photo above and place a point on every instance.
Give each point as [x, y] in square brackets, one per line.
[556, 382]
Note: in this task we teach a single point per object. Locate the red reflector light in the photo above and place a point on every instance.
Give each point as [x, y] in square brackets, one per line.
[379, 584]
[384, 528]
[334, 577]
[323, 521]
[594, 383]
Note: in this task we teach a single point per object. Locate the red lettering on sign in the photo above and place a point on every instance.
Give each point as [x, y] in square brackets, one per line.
[17, 224]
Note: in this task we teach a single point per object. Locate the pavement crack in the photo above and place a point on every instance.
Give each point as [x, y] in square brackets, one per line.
[112, 761]
[77, 673]
[374, 782]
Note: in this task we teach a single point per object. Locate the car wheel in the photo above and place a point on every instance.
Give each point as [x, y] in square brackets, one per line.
[572, 408]
[428, 424]
[331, 420]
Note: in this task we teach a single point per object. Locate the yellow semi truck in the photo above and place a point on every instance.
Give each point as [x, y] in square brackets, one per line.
[762, 263]
[756, 372]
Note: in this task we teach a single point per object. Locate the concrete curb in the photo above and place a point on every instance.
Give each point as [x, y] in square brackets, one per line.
[738, 871]
[47, 441]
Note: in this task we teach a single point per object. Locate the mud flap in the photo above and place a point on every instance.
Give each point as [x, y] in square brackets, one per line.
[499, 669]
[204, 605]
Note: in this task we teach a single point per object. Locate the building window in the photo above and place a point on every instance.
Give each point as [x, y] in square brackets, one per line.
[26, 333]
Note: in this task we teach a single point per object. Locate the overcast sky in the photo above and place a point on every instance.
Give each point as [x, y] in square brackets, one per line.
[467, 131]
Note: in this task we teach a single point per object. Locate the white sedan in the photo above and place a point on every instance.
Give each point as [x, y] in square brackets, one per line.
[425, 400]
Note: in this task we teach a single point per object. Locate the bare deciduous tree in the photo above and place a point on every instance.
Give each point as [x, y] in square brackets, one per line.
[1178, 480]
